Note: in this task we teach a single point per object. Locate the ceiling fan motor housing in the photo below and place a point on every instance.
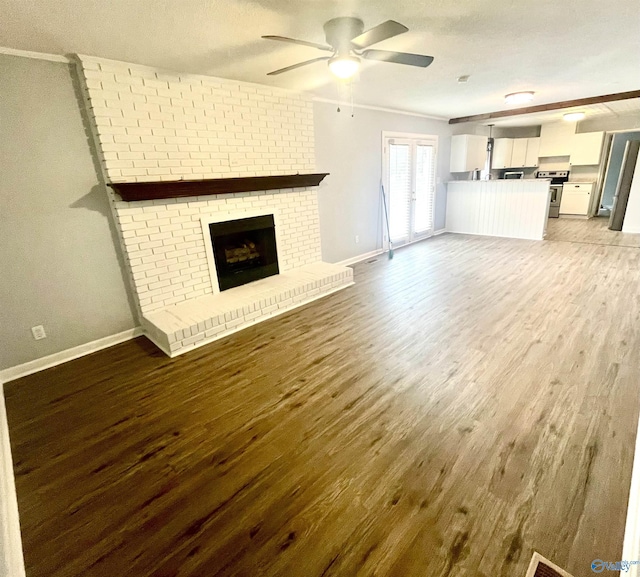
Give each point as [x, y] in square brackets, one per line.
[340, 31]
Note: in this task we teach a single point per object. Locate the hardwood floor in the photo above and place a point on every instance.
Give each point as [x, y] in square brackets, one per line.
[591, 231]
[465, 403]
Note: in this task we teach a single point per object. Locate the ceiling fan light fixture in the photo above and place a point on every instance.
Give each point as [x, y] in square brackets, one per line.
[344, 66]
[574, 116]
[519, 97]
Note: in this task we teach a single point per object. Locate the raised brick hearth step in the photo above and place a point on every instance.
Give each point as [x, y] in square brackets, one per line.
[179, 328]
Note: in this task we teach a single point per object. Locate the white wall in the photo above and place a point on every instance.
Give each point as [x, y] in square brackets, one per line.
[350, 149]
[58, 259]
[632, 216]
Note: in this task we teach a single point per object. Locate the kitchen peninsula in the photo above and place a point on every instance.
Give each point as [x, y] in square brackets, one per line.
[506, 208]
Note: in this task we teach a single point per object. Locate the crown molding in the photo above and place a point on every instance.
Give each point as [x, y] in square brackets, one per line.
[34, 55]
[379, 108]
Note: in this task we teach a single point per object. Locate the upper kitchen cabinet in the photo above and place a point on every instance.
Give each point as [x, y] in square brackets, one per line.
[557, 139]
[468, 152]
[519, 152]
[586, 148]
[533, 151]
[515, 152]
[502, 153]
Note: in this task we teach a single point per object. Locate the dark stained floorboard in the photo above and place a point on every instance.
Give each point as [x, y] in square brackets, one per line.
[465, 403]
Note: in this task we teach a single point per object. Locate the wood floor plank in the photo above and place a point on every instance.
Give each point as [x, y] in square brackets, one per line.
[463, 404]
[591, 231]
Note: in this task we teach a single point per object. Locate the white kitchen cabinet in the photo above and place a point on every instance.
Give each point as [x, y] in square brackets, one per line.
[502, 151]
[586, 148]
[533, 151]
[557, 139]
[519, 153]
[575, 198]
[468, 152]
[515, 152]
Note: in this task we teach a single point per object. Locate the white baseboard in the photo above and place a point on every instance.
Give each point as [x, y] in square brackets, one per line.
[360, 257]
[631, 543]
[379, 251]
[19, 371]
[11, 558]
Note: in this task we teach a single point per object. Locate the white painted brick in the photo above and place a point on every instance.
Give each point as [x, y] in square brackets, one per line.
[134, 171]
[150, 123]
[142, 147]
[126, 138]
[196, 112]
[155, 83]
[128, 79]
[103, 112]
[121, 163]
[114, 86]
[155, 155]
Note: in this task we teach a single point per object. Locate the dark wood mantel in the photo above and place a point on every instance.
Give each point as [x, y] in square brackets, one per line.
[130, 191]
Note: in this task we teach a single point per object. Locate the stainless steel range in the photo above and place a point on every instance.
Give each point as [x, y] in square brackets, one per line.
[558, 178]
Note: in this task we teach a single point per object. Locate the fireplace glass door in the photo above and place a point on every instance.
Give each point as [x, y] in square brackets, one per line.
[244, 250]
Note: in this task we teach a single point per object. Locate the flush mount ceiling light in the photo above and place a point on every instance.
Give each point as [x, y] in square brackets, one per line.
[574, 116]
[518, 97]
[344, 66]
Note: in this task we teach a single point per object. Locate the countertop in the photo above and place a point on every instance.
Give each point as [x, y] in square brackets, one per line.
[501, 180]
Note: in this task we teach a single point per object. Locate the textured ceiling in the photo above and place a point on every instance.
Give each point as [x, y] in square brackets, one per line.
[560, 49]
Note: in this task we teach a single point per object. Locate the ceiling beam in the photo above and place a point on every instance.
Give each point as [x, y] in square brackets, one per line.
[547, 107]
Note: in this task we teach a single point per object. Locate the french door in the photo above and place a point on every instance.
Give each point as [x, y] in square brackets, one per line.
[409, 175]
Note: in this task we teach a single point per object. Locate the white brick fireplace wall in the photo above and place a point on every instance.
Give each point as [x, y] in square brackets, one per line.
[166, 249]
[152, 125]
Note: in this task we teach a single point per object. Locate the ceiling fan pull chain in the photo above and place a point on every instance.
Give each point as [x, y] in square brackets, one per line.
[351, 92]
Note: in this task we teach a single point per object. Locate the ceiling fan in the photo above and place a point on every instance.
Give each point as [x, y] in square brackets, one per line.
[349, 42]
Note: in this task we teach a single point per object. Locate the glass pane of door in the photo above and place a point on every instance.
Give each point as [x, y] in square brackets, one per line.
[425, 183]
[399, 191]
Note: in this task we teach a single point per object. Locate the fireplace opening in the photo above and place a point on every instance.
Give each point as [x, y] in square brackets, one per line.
[244, 250]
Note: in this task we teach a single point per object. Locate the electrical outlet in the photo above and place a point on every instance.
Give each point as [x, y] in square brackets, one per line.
[357, 239]
[38, 332]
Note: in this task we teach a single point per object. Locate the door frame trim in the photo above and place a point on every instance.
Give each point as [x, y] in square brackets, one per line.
[417, 136]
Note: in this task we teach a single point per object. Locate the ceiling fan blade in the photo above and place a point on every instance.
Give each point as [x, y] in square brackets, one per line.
[300, 42]
[398, 57]
[378, 33]
[299, 65]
